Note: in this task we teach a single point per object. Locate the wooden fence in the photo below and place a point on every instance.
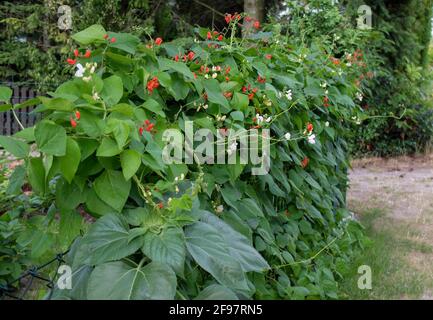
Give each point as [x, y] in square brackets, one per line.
[8, 124]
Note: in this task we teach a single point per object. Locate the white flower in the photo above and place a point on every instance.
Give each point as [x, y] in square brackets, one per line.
[93, 68]
[268, 119]
[214, 75]
[279, 94]
[205, 106]
[232, 148]
[95, 96]
[312, 139]
[177, 189]
[327, 123]
[289, 95]
[349, 64]
[220, 208]
[326, 92]
[206, 76]
[87, 79]
[259, 118]
[287, 136]
[324, 84]
[359, 96]
[79, 73]
[182, 176]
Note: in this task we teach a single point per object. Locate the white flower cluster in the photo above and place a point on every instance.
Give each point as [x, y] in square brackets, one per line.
[91, 67]
[260, 119]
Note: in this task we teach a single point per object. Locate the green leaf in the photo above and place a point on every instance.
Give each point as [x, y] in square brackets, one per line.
[167, 247]
[5, 94]
[130, 161]
[108, 148]
[120, 130]
[113, 90]
[107, 240]
[112, 188]
[154, 106]
[16, 180]
[70, 161]
[57, 104]
[51, 138]
[209, 249]
[238, 245]
[216, 292]
[182, 68]
[92, 34]
[119, 281]
[14, 146]
[96, 206]
[91, 124]
[124, 41]
[240, 101]
[27, 134]
[36, 175]
[214, 93]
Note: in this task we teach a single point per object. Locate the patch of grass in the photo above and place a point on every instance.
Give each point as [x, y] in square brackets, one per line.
[392, 276]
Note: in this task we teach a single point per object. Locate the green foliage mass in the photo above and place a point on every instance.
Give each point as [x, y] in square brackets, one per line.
[166, 231]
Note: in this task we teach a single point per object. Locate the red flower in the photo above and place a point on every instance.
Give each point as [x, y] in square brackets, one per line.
[310, 127]
[77, 115]
[335, 61]
[268, 56]
[76, 53]
[152, 84]
[140, 131]
[106, 36]
[195, 76]
[158, 41]
[228, 69]
[304, 162]
[150, 127]
[325, 101]
[256, 24]
[87, 54]
[248, 19]
[220, 37]
[160, 205]
[251, 96]
[209, 35]
[73, 123]
[227, 79]
[113, 40]
[228, 94]
[71, 61]
[244, 89]
[228, 18]
[254, 90]
[191, 55]
[176, 58]
[261, 80]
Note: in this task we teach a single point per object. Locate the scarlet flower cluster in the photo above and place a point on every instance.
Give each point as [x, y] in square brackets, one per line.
[326, 101]
[77, 117]
[112, 40]
[148, 126]
[76, 52]
[186, 57]
[249, 91]
[152, 84]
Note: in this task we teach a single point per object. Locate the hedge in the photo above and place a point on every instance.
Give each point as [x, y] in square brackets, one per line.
[197, 230]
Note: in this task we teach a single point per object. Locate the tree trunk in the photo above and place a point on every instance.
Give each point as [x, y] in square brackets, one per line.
[254, 9]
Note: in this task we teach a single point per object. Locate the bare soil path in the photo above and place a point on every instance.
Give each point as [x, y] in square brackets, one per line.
[400, 191]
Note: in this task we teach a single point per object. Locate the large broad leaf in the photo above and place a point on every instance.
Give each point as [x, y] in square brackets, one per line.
[5, 94]
[154, 106]
[58, 104]
[17, 147]
[108, 239]
[36, 175]
[216, 292]
[124, 41]
[92, 34]
[182, 68]
[113, 90]
[51, 138]
[70, 161]
[214, 93]
[130, 161]
[108, 148]
[112, 188]
[167, 247]
[119, 281]
[210, 250]
[238, 245]
[16, 180]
